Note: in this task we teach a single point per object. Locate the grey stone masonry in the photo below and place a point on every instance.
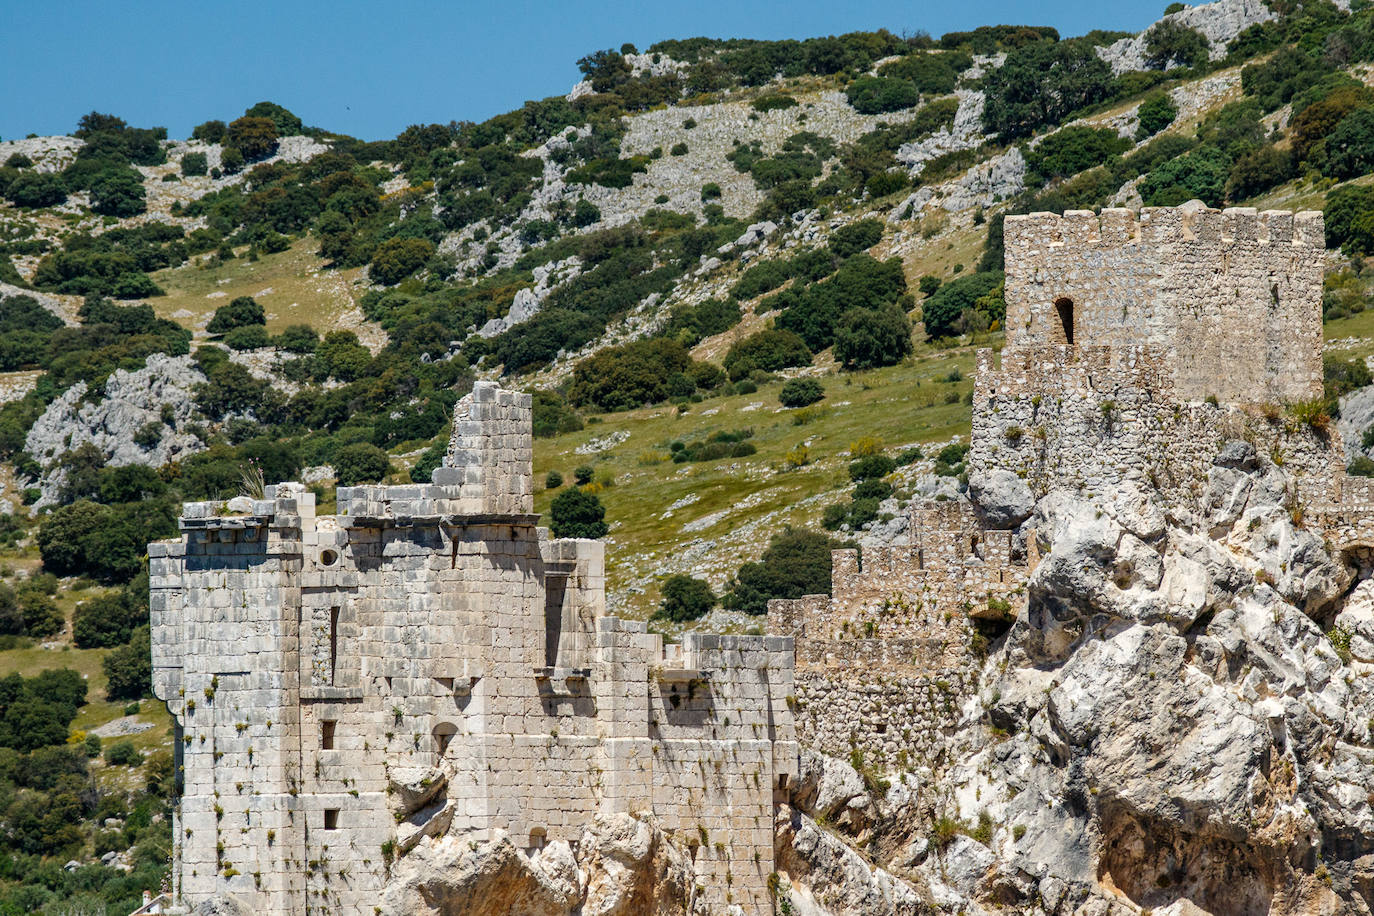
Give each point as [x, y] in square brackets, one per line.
[429, 661]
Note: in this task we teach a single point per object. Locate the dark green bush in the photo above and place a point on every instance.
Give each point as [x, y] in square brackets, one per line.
[871, 467]
[37, 189]
[769, 350]
[629, 375]
[583, 474]
[395, 259]
[685, 598]
[553, 480]
[943, 311]
[880, 94]
[129, 669]
[241, 311]
[1041, 83]
[1157, 111]
[796, 563]
[774, 102]
[868, 338]
[575, 513]
[248, 337]
[1172, 44]
[194, 164]
[800, 392]
[361, 462]
[123, 754]
[856, 237]
[1073, 149]
[255, 138]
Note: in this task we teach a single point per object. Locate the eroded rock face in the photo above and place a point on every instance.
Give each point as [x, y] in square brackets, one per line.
[157, 398]
[1180, 720]
[622, 866]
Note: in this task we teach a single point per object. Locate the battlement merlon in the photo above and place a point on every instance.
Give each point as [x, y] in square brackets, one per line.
[1160, 226]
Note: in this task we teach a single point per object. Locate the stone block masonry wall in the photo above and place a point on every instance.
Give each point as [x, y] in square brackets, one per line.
[429, 662]
[722, 741]
[884, 664]
[1232, 298]
[1101, 420]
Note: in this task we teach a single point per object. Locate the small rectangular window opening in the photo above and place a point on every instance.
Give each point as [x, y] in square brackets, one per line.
[333, 642]
[331, 818]
[327, 734]
[1064, 307]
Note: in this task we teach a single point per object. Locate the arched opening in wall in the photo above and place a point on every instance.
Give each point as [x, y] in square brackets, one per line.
[1063, 307]
[443, 734]
[538, 838]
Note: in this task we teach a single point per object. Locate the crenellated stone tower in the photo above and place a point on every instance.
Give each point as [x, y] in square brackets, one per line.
[428, 661]
[1136, 344]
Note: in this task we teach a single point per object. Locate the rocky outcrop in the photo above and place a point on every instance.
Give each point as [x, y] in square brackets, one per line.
[156, 399]
[1219, 22]
[621, 866]
[529, 301]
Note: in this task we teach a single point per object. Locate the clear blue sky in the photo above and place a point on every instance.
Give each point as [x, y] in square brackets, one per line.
[370, 69]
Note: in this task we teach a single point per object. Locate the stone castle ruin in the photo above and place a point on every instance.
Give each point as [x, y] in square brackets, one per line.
[427, 661]
[1136, 344]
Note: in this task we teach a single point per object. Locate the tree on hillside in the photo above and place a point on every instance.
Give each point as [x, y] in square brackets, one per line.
[576, 513]
[1172, 44]
[796, 563]
[240, 311]
[1041, 83]
[287, 124]
[256, 138]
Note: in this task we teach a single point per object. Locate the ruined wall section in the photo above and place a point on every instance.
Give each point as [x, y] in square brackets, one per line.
[1231, 298]
[883, 666]
[1100, 420]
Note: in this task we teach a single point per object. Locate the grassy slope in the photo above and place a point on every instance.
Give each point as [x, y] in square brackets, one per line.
[290, 285]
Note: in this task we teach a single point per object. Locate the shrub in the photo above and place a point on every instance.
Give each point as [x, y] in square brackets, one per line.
[773, 102]
[1156, 112]
[1074, 149]
[297, 338]
[871, 467]
[210, 132]
[194, 164]
[1172, 44]
[231, 160]
[630, 375]
[395, 259]
[710, 191]
[585, 214]
[796, 563]
[685, 598]
[575, 513]
[255, 138]
[248, 337]
[1201, 174]
[1259, 170]
[583, 474]
[679, 149]
[769, 350]
[361, 462]
[241, 311]
[553, 480]
[950, 461]
[868, 338]
[856, 237]
[879, 94]
[129, 669]
[123, 754]
[943, 313]
[1350, 147]
[109, 620]
[1042, 82]
[800, 392]
[37, 189]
